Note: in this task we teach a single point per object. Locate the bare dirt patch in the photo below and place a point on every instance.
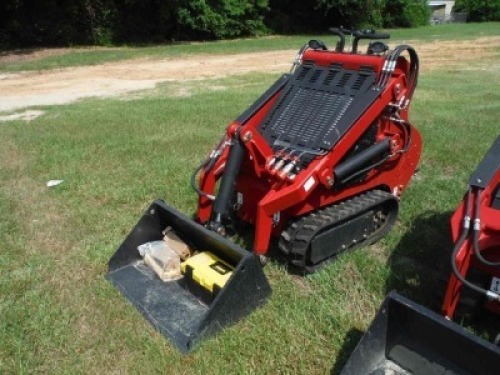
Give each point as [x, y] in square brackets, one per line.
[26, 116]
[67, 85]
[61, 86]
[451, 54]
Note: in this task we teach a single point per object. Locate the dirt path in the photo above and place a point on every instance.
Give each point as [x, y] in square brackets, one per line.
[60, 86]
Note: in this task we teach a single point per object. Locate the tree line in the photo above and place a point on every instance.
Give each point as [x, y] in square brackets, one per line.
[31, 23]
[479, 10]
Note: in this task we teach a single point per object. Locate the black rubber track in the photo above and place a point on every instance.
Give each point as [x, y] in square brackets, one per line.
[295, 240]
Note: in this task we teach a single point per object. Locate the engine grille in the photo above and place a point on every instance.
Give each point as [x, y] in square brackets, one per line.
[317, 106]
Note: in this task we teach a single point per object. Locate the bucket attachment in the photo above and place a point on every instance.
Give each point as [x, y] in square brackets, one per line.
[172, 307]
[407, 338]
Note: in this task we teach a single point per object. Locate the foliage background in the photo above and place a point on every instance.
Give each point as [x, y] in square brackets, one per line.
[58, 313]
[479, 10]
[30, 23]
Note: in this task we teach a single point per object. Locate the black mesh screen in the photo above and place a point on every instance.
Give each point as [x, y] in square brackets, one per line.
[317, 106]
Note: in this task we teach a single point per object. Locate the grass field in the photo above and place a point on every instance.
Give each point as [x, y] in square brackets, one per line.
[90, 56]
[58, 314]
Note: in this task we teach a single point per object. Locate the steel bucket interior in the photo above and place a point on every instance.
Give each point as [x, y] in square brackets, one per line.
[407, 338]
[169, 306]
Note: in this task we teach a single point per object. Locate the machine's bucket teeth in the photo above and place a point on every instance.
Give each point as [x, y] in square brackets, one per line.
[170, 306]
[407, 338]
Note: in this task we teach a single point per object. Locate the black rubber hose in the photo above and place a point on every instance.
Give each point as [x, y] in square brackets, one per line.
[390, 58]
[477, 232]
[458, 245]
[393, 55]
[414, 66]
[458, 275]
[208, 164]
[194, 185]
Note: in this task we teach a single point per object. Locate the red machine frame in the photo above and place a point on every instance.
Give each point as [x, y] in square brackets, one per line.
[489, 245]
[271, 199]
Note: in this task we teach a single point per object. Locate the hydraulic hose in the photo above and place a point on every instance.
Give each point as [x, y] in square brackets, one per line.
[194, 185]
[477, 232]
[414, 69]
[458, 275]
[207, 164]
[458, 245]
[390, 64]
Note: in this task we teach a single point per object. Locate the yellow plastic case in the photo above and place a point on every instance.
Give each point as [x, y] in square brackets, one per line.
[205, 275]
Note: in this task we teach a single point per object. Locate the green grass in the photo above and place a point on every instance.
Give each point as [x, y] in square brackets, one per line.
[456, 31]
[60, 315]
[85, 56]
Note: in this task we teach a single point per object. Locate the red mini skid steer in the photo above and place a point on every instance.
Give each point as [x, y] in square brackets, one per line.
[321, 159]
[407, 338]
[476, 232]
[319, 162]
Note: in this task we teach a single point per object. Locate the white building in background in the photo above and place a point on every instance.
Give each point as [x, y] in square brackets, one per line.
[441, 10]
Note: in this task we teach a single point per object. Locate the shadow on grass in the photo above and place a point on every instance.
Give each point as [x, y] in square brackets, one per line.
[243, 234]
[420, 263]
[351, 339]
[416, 265]
[420, 268]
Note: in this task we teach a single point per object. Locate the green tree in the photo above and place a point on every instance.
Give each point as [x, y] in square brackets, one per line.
[145, 21]
[49, 22]
[479, 10]
[216, 19]
[295, 16]
[29, 23]
[352, 13]
[406, 13]
[100, 16]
